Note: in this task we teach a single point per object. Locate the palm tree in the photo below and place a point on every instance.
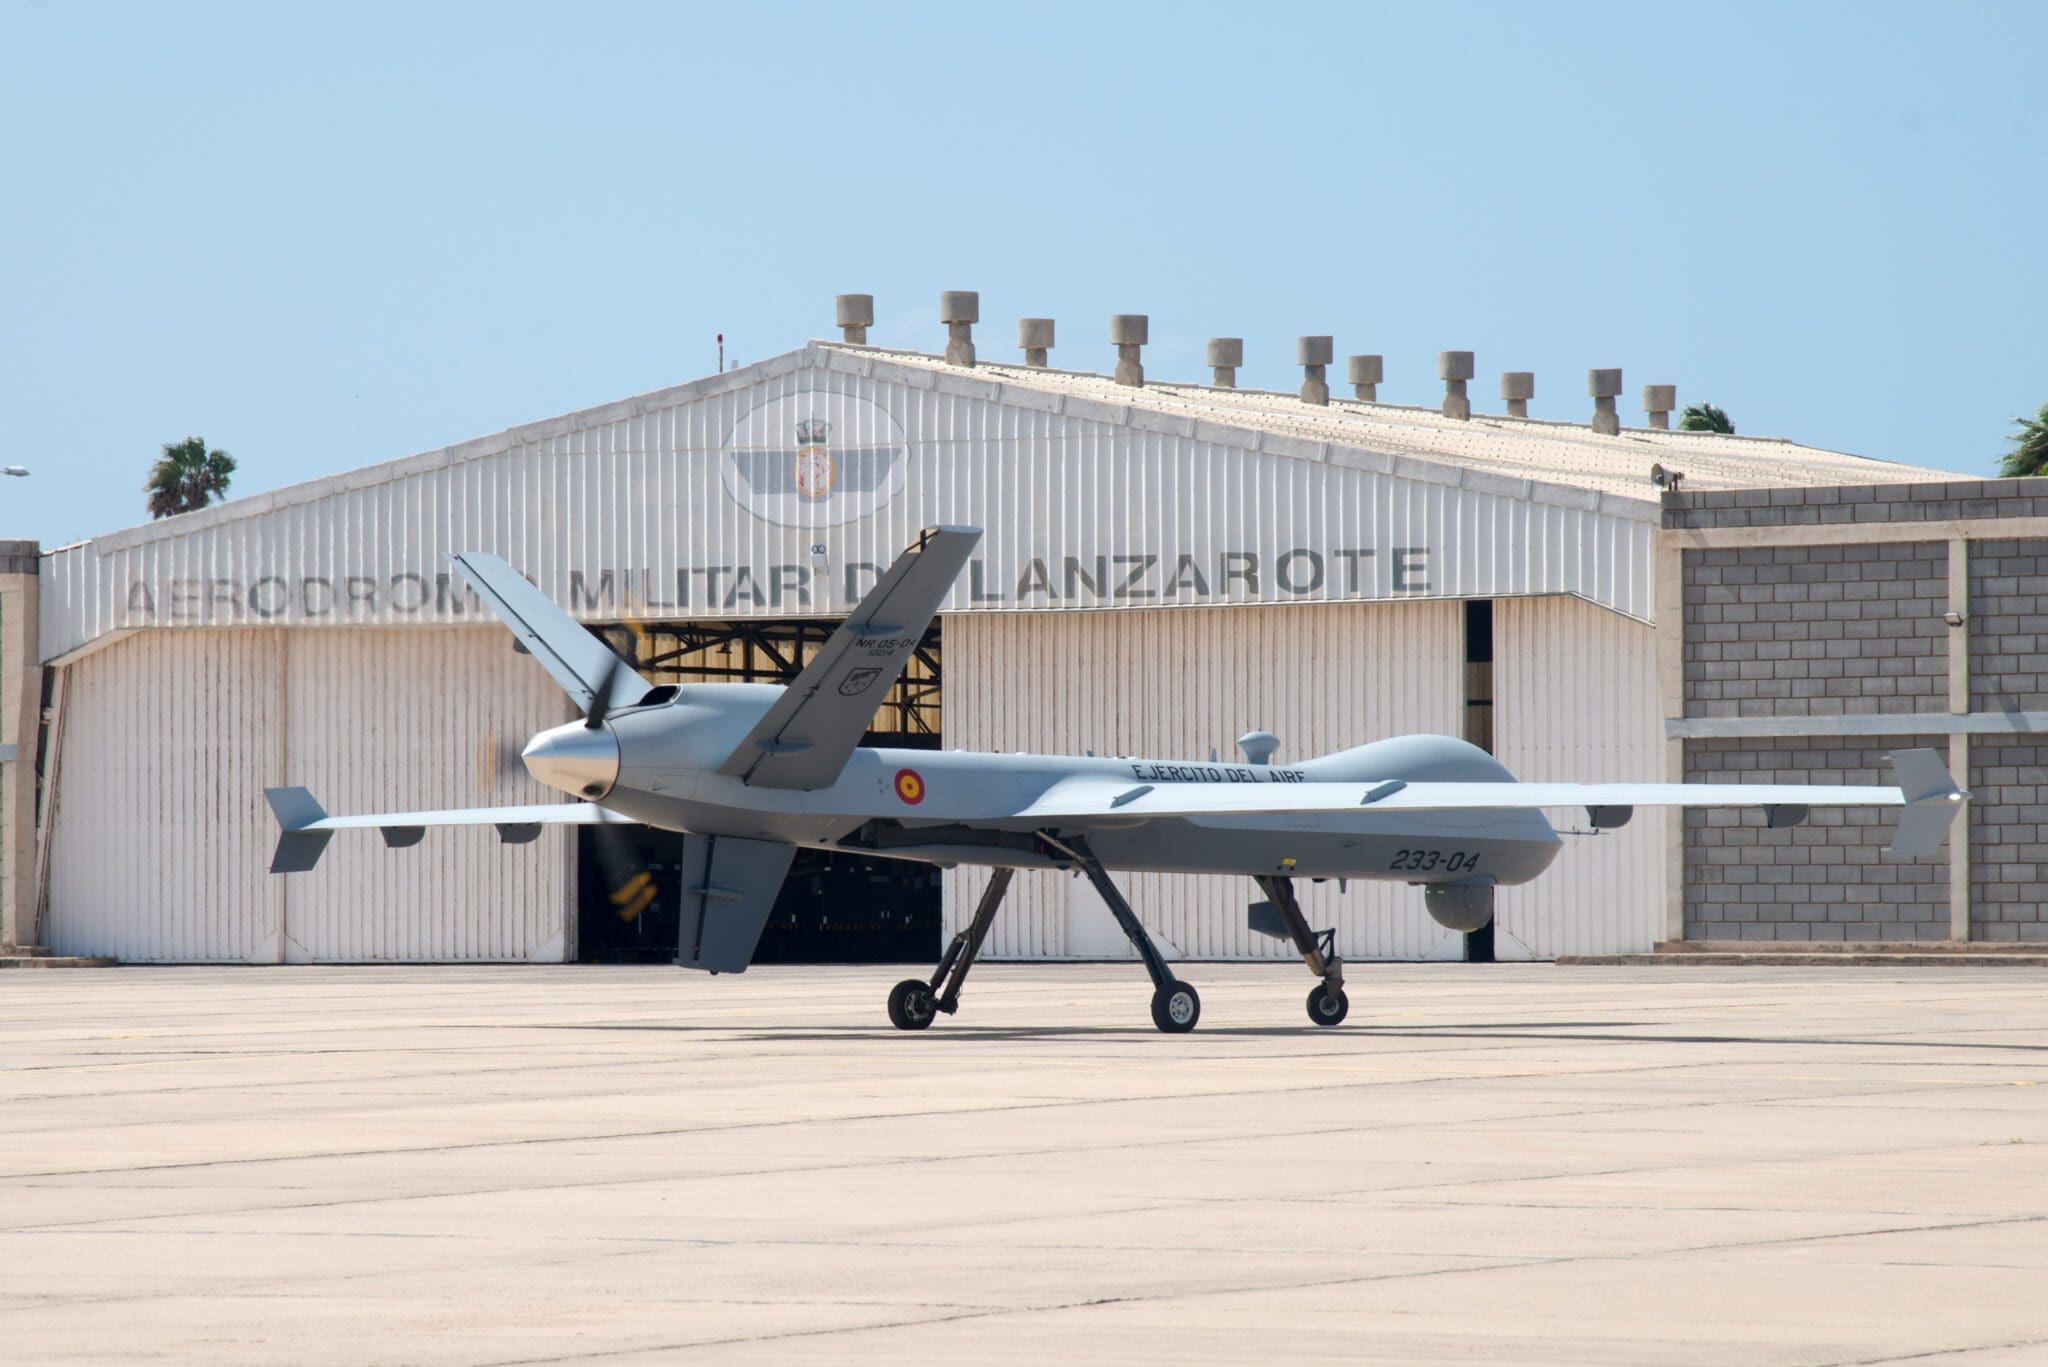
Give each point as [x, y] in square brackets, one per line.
[187, 477]
[2029, 454]
[1704, 417]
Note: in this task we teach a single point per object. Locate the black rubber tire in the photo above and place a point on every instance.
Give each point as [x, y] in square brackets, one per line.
[1176, 1007]
[1319, 1011]
[911, 1005]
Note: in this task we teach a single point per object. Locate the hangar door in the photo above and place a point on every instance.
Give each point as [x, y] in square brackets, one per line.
[834, 908]
[1174, 683]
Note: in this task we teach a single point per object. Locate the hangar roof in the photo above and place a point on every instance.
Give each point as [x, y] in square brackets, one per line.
[691, 501]
[1521, 452]
[1564, 453]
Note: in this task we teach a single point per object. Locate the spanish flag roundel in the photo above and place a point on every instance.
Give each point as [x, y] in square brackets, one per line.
[910, 786]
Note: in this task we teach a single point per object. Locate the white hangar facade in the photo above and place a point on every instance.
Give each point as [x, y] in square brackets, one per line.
[1165, 567]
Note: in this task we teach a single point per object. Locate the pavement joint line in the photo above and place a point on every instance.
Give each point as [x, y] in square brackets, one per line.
[1937, 1353]
[1382, 1070]
[1903, 1039]
[677, 1132]
[1567, 1131]
[1211, 1293]
[1381, 1079]
[909, 1160]
[1062, 1104]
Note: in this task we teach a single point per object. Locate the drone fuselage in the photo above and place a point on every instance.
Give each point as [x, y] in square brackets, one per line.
[659, 764]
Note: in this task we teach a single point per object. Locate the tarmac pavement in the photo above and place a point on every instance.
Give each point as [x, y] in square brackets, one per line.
[1517, 1163]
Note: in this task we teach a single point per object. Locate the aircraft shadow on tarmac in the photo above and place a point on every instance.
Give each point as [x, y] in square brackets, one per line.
[1566, 1031]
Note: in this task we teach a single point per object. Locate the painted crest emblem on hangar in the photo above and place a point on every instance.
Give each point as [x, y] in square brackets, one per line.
[814, 460]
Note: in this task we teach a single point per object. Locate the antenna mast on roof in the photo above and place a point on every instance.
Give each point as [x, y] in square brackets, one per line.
[721, 353]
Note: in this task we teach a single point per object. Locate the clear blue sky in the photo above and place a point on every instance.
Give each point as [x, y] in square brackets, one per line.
[322, 236]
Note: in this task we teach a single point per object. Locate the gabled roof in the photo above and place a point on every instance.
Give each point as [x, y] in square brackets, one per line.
[1068, 472]
[1538, 455]
[1557, 453]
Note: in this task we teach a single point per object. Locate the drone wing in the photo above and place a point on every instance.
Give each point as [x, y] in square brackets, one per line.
[307, 827]
[1925, 789]
[806, 738]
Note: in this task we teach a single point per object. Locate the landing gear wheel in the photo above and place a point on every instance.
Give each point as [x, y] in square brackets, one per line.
[1319, 1006]
[1176, 1008]
[911, 1005]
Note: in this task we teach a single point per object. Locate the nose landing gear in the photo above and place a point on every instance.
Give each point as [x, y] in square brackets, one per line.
[1281, 915]
[1325, 1009]
[1176, 1007]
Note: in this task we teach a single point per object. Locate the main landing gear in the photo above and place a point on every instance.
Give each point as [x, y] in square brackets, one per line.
[1327, 1004]
[914, 1003]
[1176, 1006]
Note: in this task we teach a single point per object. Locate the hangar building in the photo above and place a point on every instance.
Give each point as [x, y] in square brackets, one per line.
[1166, 567]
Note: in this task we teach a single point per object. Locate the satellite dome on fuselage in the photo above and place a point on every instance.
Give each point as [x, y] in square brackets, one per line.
[1415, 759]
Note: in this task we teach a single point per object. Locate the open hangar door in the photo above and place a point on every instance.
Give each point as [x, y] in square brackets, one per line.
[834, 908]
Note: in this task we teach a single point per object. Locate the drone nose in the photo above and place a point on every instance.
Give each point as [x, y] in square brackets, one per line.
[575, 758]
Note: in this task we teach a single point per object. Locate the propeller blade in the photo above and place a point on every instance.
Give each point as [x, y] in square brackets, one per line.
[601, 697]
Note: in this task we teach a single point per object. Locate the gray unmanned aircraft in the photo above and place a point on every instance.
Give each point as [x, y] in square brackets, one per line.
[748, 773]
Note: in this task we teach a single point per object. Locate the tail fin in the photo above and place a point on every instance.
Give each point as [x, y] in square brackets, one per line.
[1932, 801]
[574, 658]
[298, 849]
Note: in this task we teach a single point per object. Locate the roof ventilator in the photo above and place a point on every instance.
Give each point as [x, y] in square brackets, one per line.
[1034, 336]
[959, 310]
[1226, 354]
[855, 314]
[1366, 373]
[1605, 387]
[1313, 355]
[1517, 387]
[1454, 368]
[1658, 401]
[1128, 332]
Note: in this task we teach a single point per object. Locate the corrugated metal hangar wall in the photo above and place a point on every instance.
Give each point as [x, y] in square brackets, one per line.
[1174, 684]
[1150, 583]
[161, 837]
[1322, 679]
[171, 737]
[1575, 698]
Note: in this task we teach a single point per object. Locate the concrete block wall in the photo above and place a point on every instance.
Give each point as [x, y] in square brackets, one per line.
[1826, 507]
[2009, 626]
[1816, 630]
[2009, 673]
[1803, 634]
[2008, 839]
[1828, 879]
